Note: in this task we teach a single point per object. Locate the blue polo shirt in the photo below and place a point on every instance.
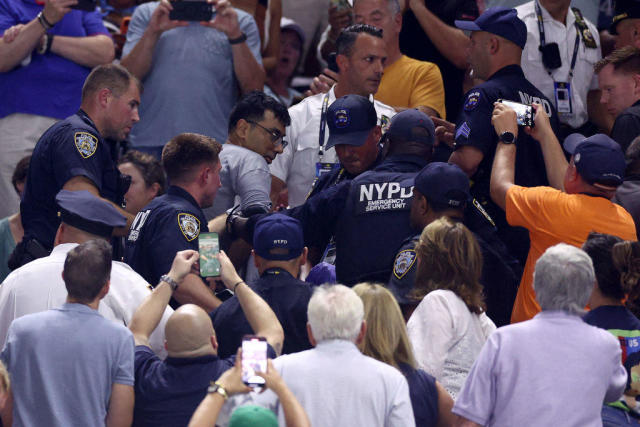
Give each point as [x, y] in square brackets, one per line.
[423, 394]
[49, 85]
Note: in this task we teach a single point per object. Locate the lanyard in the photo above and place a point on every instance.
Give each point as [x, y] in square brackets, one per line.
[543, 42]
[323, 125]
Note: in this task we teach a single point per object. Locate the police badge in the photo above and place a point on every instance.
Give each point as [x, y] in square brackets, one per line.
[86, 144]
[189, 225]
[404, 262]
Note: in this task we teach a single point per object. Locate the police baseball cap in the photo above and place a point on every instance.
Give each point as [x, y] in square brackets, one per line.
[598, 159]
[278, 237]
[253, 416]
[624, 9]
[444, 185]
[350, 120]
[501, 21]
[407, 126]
[83, 210]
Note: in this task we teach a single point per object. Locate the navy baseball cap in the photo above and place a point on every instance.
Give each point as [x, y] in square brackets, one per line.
[444, 185]
[278, 237]
[350, 120]
[624, 9]
[501, 21]
[83, 210]
[405, 124]
[598, 159]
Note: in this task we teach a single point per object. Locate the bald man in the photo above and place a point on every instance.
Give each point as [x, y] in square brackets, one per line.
[168, 392]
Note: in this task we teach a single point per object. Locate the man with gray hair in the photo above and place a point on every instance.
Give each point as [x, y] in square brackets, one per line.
[527, 370]
[334, 382]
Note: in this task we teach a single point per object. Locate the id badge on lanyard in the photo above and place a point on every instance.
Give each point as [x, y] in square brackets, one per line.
[562, 92]
[324, 167]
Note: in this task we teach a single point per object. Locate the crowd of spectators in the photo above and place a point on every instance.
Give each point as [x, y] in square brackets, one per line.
[426, 213]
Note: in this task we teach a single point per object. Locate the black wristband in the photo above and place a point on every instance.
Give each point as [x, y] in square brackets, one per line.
[44, 22]
[236, 285]
[49, 42]
[241, 39]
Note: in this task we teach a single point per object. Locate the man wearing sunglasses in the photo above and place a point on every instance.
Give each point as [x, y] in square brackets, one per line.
[256, 136]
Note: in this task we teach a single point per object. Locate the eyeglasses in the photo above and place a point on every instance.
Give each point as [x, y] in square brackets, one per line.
[276, 136]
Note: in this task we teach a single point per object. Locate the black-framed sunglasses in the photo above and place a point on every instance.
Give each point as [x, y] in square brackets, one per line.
[276, 137]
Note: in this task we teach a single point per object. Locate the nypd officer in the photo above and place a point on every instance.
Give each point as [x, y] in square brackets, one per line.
[74, 155]
[442, 189]
[173, 221]
[497, 39]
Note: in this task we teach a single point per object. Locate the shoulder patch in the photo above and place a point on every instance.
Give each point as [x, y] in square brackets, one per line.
[472, 101]
[189, 225]
[463, 130]
[86, 144]
[404, 262]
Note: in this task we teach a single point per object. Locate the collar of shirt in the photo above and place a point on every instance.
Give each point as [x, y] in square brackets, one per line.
[337, 346]
[61, 250]
[276, 271]
[547, 18]
[402, 163]
[78, 308]
[85, 118]
[557, 314]
[332, 95]
[512, 69]
[182, 193]
[635, 104]
[181, 361]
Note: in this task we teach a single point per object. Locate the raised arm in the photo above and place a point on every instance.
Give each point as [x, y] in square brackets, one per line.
[503, 171]
[260, 316]
[149, 313]
[294, 413]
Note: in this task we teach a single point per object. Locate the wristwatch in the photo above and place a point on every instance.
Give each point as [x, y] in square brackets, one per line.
[241, 39]
[216, 387]
[170, 281]
[507, 138]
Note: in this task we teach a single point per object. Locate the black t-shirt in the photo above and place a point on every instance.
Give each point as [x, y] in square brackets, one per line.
[627, 126]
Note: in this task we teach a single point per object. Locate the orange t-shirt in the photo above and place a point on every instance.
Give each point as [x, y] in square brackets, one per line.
[553, 217]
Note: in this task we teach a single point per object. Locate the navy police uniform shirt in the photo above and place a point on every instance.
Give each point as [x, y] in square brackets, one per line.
[287, 296]
[72, 147]
[423, 393]
[169, 224]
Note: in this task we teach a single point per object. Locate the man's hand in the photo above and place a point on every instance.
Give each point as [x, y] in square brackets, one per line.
[231, 379]
[542, 125]
[226, 19]
[54, 10]
[183, 264]
[11, 33]
[160, 21]
[323, 82]
[228, 272]
[504, 119]
[338, 19]
[273, 380]
[445, 131]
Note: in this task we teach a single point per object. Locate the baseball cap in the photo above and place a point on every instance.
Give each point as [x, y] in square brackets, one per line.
[253, 416]
[290, 24]
[624, 9]
[278, 237]
[444, 185]
[403, 125]
[83, 210]
[500, 21]
[598, 159]
[350, 119]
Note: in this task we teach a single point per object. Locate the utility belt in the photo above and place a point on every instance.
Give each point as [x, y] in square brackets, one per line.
[25, 252]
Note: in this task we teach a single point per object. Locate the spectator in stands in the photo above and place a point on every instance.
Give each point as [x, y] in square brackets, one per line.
[168, 391]
[195, 90]
[312, 15]
[70, 365]
[386, 340]
[147, 179]
[279, 77]
[46, 54]
[553, 216]
[370, 393]
[449, 326]
[627, 194]
[11, 230]
[361, 57]
[38, 285]
[526, 371]
[611, 256]
[619, 80]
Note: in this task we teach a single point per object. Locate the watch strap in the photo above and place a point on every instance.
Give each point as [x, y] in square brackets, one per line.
[216, 387]
[170, 281]
[507, 137]
[44, 22]
[238, 40]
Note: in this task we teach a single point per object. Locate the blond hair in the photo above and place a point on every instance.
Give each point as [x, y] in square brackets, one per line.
[5, 383]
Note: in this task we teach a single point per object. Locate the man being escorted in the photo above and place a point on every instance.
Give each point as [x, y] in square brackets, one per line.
[69, 365]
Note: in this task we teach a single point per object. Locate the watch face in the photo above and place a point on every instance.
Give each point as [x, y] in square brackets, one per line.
[507, 137]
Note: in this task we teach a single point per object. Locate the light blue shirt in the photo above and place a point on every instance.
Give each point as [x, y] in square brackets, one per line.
[63, 363]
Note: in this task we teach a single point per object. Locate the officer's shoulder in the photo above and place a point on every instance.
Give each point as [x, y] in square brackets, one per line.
[307, 105]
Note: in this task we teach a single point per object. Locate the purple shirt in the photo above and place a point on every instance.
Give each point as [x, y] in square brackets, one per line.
[49, 85]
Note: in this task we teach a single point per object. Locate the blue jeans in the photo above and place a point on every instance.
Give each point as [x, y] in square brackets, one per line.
[612, 417]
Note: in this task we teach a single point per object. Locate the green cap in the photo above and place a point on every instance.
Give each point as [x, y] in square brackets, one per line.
[253, 416]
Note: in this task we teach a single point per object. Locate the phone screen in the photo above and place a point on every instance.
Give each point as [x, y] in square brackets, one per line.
[523, 112]
[254, 358]
[209, 246]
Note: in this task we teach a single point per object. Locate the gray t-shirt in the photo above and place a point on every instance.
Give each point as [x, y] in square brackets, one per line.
[63, 363]
[191, 86]
[245, 179]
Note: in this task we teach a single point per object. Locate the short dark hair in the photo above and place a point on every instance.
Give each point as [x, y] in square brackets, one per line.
[148, 166]
[348, 37]
[114, 77]
[599, 246]
[253, 105]
[20, 172]
[87, 269]
[625, 60]
[187, 151]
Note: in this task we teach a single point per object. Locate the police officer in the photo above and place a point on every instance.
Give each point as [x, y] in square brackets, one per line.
[74, 155]
[442, 189]
[497, 39]
[173, 221]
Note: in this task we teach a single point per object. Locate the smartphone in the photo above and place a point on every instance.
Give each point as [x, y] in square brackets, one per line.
[524, 112]
[189, 10]
[86, 5]
[332, 63]
[209, 247]
[254, 359]
[341, 4]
